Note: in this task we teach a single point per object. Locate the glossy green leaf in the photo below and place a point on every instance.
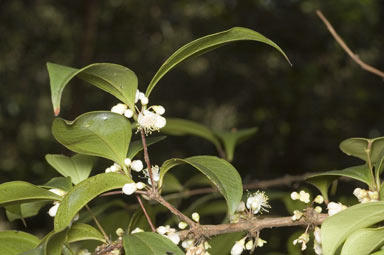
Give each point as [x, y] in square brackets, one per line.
[206, 44]
[102, 134]
[149, 243]
[360, 173]
[14, 242]
[19, 192]
[78, 167]
[137, 146]
[336, 229]
[357, 147]
[221, 173]
[81, 232]
[52, 244]
[63, 183]
[181, 127]
[363, 241]
[381, 252]
[233, 138]
[83, 193]
[114, 79]
[26, 210]
[171, 184]
[322, 183]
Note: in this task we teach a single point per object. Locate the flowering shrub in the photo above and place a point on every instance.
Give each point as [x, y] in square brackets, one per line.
[107, 134]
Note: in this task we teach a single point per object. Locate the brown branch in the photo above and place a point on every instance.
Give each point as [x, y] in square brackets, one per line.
[341, 42]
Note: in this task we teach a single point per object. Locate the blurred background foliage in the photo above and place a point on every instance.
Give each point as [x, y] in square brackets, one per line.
[302, 112]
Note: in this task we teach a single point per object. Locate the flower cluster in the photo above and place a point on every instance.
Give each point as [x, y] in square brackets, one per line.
[305, 198]
[303, 240]
[170, 233]
[365, 196]
[242, 245]
[135, 165]
[155, 174]
[195, 249]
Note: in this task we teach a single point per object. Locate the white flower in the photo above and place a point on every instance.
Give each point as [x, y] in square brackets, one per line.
[144, 100]
[260, 242]
[58, 192]
[182, 225]
[137, 165]
[137, 230]
[241, 207]
[303, 239]
[115, 167]
[129, 188]
[161, 230]
[155, 174]
[317, 234]
[127, 162]
[149, 121]
[319, 199]
[258, 202]
[174, 237]
[196, 216]
[304, 196]
[317, 248]
[128, 113]
[334, 208]
[238, 248]
[295, 196]
[137, 96]
[187, 244]
[317, 242]
[297, 215]
[158, 109]
[119, 108]
[373, 195]
[53, 210]
[108, 170]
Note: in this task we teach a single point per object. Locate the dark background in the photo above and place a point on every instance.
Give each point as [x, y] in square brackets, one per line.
[302, 112]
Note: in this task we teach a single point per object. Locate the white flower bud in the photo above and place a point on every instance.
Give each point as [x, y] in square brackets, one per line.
[160, 122]
[318, 209]
[119, 232]
[140, 185]
[260, 242]
[319, 199]
[373, 195]
[115, 167]
[137, 230]
[174, 237]
[207, 245]
[317, 234]
[144, 100]
[137, 165]
[238, 248]
[187, 244]
[241, 207]
[158, 109]
[249, 245]
[161, 230]
[297, 215]
[53, 210]
[334, 208]
[295, 196]
[119, 108]
[76, 218]
[128, 113]
[304, 197]
[129, 188]
[108, 170]
[196, 216]
[127, 162]
[182, 225]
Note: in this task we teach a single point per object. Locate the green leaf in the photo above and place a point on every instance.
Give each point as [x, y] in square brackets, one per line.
[181, 127]
[81, 232]
[206, 44]
[26, 210]
[149, 243]
[52, 244]
[84, 192]
[220, 172]
[357, 147]
[14, 242]
[360, 173]
[363, 241]
[19, 192]
[63, 183]
[78, 167]
[114, 79]
[137, 146]
[322, 183]
[233, 138]
[102, 134]
[336, 229]
[171, 184]
[381, 252]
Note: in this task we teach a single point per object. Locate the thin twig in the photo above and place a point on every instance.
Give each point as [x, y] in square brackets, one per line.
[341, 42]
[145, 213]
[98, 224]
[147, 161]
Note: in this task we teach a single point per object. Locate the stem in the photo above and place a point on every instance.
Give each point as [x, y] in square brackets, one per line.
[368, 151]
[98, 224]
[145, 213]
[147, 161]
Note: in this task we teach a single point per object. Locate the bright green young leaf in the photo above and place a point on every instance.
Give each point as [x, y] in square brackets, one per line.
[19, 192]
[83, 193]
[181, 127]
[363, 241]
[63, 183]
[206, 44]
[233, 138]
[336, 229]
[357, 147]
[102, 134]
[78, 167]
[26, 210]
[14, 242]
[220, 172]
[81, 232]
[114, 79]
[149, 243]
[137, 146]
